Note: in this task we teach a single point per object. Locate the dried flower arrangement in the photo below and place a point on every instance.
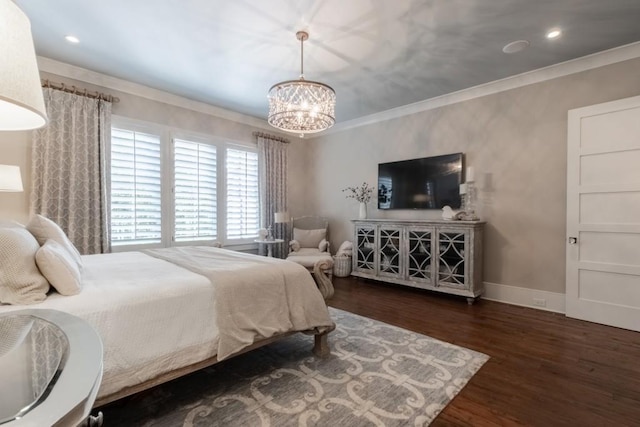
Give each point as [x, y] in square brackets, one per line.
[361, 193]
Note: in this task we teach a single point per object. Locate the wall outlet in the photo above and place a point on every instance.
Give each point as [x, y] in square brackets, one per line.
[539, 302]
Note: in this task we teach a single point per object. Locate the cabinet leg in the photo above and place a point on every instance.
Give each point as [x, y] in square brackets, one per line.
[470, 300]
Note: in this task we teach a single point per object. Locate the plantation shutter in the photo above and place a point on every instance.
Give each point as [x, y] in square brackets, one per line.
[135, 187]
[195, 193]
[243, 216]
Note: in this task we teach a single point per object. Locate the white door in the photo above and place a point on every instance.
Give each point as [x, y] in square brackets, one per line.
[603, 214]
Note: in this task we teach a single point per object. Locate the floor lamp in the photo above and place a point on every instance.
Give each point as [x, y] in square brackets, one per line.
[282, 218]
[21, 101]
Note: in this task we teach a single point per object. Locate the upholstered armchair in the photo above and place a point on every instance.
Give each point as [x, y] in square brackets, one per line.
[310, 248]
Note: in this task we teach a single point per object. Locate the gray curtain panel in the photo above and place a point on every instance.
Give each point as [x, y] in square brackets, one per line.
[273, 189]
[69, 168]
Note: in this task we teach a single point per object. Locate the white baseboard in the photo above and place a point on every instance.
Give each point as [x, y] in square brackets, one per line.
[533, 298]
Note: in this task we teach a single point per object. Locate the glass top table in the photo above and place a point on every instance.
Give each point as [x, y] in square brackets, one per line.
[269, 243]
[41, 354]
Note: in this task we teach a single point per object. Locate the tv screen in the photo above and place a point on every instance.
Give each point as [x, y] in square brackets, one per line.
[427, 183]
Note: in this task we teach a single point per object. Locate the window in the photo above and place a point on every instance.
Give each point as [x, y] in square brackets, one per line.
[178, 188]
[243, 210]
[195, 191]
[136, 215]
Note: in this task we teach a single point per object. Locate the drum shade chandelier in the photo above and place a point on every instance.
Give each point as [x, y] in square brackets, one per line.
[301, 106]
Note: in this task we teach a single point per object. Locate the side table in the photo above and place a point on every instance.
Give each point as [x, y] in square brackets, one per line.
[269, 244]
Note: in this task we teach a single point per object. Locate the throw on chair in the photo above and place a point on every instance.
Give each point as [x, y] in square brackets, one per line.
[310, 245]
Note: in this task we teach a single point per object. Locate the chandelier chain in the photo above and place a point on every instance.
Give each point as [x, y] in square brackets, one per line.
[302, 57]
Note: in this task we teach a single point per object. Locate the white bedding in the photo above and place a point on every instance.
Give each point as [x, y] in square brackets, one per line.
[256, 297]
[139, 306]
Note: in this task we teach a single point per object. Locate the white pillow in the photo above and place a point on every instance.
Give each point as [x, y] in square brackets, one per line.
[323, 245]
[56, 264]
[309, 238]
[294, 245]
[20, 279]
[345, 249]
[44, 229]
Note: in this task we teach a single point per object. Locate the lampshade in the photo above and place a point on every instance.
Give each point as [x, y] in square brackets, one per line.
[301, 106]
[10, 180]
[21, 101]
[281, 217]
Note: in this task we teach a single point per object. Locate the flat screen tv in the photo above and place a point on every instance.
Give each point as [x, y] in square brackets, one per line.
[427, 183]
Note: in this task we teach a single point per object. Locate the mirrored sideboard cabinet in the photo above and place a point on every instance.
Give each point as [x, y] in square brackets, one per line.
[438, 255]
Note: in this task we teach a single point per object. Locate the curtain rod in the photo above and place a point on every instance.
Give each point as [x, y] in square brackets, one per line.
[266, 135]
[78, 91]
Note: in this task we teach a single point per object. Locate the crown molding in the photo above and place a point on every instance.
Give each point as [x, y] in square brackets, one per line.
[585, 63]
[92, 77]
[596, 60]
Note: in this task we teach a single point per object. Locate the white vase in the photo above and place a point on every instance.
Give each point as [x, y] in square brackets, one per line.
[363, 211]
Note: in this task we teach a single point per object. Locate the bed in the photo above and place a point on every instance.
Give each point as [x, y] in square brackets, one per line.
[167, 312]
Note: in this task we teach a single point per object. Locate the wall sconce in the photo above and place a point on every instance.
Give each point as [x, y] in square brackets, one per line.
[10, 179]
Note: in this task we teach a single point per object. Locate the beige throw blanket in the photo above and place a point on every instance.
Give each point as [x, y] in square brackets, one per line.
[256, 297]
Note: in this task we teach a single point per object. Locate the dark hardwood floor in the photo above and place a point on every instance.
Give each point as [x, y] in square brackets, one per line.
[545, 369]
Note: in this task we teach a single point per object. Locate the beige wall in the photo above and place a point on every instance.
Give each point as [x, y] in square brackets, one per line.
[516, 142]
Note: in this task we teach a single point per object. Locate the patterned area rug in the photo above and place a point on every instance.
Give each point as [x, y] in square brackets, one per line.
[377, 375]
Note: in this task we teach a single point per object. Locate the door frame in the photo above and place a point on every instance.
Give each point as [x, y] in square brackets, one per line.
[574, 306]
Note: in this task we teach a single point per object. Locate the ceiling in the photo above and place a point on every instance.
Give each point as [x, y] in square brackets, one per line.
[376, 54]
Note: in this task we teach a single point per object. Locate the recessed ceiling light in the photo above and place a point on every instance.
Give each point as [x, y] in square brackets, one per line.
[554, 34]
[72, 39]
[516, 46]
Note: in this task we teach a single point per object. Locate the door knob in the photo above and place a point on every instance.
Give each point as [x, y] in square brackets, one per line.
[573, 240]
